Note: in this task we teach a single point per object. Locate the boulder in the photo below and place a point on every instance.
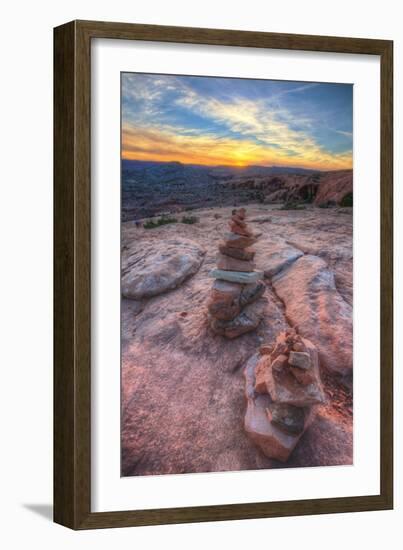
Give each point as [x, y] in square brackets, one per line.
[148, 272]
[313, 302]
[232, 264]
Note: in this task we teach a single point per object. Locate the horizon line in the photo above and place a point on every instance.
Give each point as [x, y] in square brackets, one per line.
[238, 166]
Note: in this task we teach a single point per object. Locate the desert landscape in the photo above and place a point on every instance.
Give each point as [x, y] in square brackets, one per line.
[236, 274]
[183, 386]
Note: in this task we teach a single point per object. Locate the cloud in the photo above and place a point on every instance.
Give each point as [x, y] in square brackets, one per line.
[174, 118]
[166, 145]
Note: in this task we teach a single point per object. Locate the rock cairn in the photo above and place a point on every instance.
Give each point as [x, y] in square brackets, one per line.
[234, 306]
[283, 389]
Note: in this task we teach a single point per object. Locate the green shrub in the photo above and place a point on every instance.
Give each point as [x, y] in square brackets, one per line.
[189, 219]
[347, 200]
[151, 224]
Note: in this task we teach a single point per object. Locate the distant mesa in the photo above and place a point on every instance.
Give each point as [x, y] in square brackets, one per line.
[150, 188]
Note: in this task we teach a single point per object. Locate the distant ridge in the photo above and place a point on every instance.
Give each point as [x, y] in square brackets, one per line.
[245, 170]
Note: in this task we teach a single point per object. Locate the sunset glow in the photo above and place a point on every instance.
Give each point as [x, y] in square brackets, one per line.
[223, 121]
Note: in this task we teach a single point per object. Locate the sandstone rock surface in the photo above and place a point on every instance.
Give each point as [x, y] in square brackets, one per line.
[146, 272]
[246, 321]
[182, 386]
[237, 276]
[313, 303]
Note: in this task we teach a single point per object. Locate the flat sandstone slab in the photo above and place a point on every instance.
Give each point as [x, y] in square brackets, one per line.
[233, 264]
[312, 302]
[158, 267]
[237, 276]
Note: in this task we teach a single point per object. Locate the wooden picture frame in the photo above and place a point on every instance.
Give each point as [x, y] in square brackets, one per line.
[72, 269]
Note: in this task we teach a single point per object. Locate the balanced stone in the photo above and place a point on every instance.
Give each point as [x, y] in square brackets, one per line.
[235, 218]
[246, 321]
[239, 253]
[240, 230]
[251, 292]
[233, 308]
[300, 359]
[273, 442]
[283, 387]
[236, 276]
[233, 264]
[287, 418]
[238, 241]
[224, 300]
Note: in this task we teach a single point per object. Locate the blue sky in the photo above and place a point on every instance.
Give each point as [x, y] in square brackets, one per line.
[209, 120]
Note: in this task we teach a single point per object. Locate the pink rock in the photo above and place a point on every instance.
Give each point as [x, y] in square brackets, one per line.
[263, 364]
[224, 300]
[238, 241]
[240, 230]
[283, 387]
[239, 253]
[272, 441]
[312, 301]
[233, 264]
[246, 321]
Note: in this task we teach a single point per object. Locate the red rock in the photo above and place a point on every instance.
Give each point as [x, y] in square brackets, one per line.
[312, 301]
[302, 376]
[260, 374]
[241, 212]
[298, 346]
[239, 230]
[280, 348]
[279, 364]
[238, 241]
[238, 220]
[289, 419]
[224, 300]
[239, 253]
[300, 359]
[272, 441]
[246, 321]
[251, 292]
[266, 349]
[232, 264]
[283, 387]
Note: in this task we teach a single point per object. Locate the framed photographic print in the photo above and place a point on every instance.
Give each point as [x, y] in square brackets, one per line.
[223, 275]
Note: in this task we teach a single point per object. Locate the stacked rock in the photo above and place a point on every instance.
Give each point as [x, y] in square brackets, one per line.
[233, 306]
[283, 388]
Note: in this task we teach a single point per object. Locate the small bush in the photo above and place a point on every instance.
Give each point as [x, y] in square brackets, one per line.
[151, 224]
[189, 219]
[347, 200]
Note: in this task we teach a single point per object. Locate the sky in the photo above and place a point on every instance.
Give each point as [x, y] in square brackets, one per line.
[238, 122]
